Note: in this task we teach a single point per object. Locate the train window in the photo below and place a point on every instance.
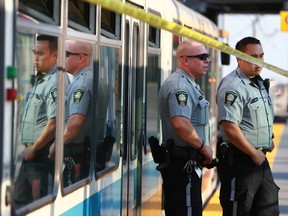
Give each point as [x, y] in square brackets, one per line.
[35, 113]
[176, 41]
[125, 90]
[110, 24]
[43, 10]
[137, 95]
[108, 106]
[154, 37]
[153, 77]
[81, 16]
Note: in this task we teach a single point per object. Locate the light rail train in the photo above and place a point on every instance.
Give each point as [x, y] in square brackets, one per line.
[132, 59]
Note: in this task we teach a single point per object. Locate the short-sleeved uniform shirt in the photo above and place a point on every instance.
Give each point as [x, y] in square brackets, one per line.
[78, 100]
[248, 105]
[40, 106]
[181, 96]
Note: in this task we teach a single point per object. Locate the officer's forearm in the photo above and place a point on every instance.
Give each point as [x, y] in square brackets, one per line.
[47, 135]
[185, 131]
[237, 138]
[74, 125]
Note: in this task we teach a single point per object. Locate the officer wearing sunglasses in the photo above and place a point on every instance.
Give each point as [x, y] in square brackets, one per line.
[184, 115]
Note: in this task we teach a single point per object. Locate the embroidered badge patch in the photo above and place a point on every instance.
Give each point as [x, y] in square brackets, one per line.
[230, 98]
[182, 98]
[78, 95]
[53, 93]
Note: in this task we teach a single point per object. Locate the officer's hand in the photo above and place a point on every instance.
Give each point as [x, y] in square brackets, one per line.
[271, 147]
[207, 153]
[258, 157]
[29, 153]
[52, 151]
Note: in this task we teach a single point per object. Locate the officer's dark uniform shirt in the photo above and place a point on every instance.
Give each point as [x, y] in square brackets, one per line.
[40, 106]
[78, 100]
[181, 96]
[242, 102]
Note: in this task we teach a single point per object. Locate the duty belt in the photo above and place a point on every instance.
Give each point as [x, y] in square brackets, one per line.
[187, 153]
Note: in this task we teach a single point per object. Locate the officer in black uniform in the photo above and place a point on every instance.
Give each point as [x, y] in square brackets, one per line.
[184, 116]
[246, 125]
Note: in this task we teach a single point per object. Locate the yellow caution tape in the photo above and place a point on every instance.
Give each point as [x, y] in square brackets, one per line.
[156, 21]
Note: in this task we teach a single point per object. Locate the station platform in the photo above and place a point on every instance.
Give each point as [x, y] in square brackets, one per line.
[278, 159]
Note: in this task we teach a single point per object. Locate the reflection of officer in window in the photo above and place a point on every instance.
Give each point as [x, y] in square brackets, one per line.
[104, 144]
[246, 124]
[184, 116]
[78, 111]
[38, 124]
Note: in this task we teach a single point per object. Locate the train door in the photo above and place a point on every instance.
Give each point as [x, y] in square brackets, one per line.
[133, 117]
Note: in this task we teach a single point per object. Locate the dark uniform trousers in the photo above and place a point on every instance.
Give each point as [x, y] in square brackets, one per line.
[256, 193]
[32, 181]
[175, 180]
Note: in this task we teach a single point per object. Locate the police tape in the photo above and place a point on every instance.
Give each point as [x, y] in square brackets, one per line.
[158, 22]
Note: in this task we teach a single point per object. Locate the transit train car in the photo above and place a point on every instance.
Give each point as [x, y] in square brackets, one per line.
[132, 59]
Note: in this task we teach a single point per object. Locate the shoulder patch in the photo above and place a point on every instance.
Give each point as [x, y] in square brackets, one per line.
[230, 98]
[182, 98]
[53, 93]
[78, 95]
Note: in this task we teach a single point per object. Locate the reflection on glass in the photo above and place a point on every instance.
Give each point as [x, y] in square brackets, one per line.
[153, 83]
[108, 110]
[36, 116]
[78, 112]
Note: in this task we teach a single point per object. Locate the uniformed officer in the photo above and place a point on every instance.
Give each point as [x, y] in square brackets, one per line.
[78, 111]
[246, 125]
[38, 124]
[184, 115]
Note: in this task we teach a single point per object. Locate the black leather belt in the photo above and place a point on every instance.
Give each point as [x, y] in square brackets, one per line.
[188, 153]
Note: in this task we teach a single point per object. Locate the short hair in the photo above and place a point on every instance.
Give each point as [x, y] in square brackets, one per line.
[241, 45]
[53, 41]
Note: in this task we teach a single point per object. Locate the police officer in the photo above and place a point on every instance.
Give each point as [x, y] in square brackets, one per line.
[78, 109]
[38, 124]
[184, 115]
[246, 124]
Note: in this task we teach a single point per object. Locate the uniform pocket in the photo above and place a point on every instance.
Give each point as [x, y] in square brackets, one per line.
[204, 111]
[257, 113]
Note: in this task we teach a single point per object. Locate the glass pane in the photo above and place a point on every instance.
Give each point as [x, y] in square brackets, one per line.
[47, 11]
[78, 12]
[110, 24]
[108, 116]
[137, 95]
[78, 132]
[176, 40]
[41, 6]
[36, 58]
[153, 85]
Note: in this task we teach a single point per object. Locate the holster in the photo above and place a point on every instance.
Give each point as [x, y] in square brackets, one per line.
[225, 152]
[158, 152]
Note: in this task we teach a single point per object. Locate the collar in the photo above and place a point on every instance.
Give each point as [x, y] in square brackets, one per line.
[189, 78]
[82, 71]
[53, 70]
[246, 80]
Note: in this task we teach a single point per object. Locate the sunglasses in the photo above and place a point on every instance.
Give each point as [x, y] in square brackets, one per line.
[202, 57]
[71, 53]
